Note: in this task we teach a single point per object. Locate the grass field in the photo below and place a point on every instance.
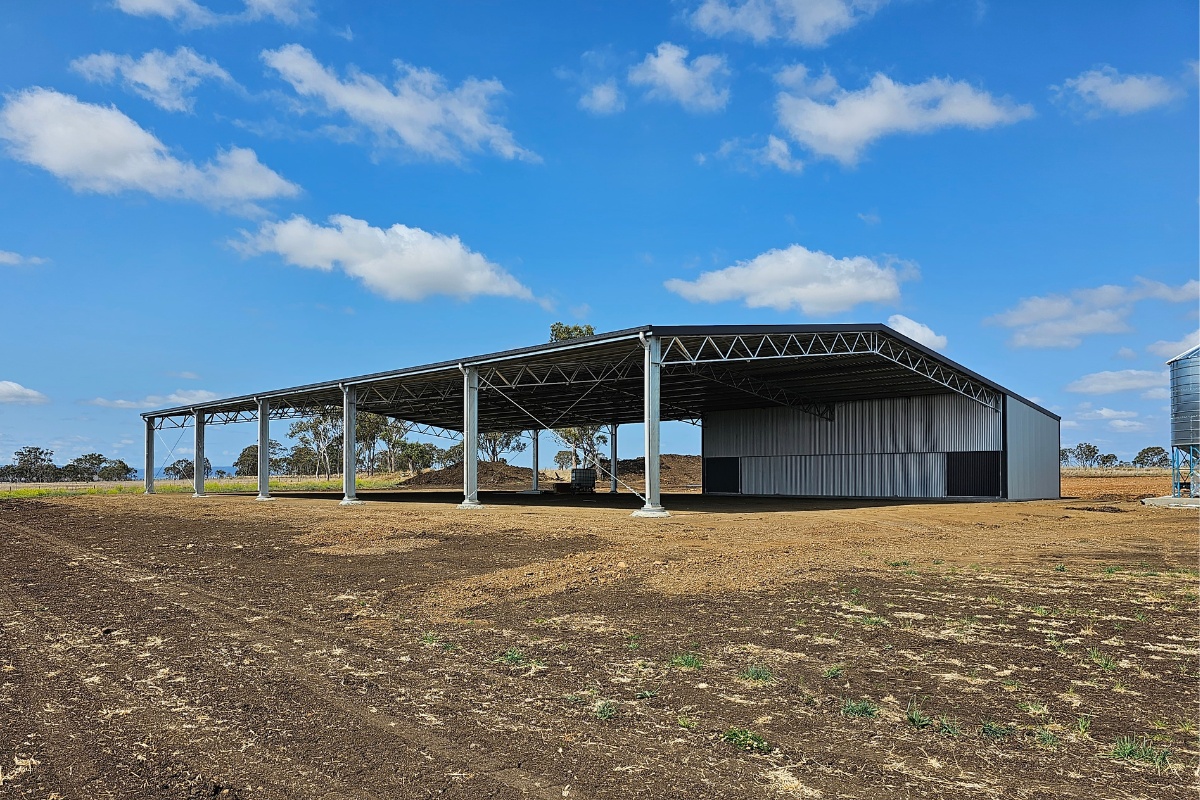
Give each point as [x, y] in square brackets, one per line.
[554, 647]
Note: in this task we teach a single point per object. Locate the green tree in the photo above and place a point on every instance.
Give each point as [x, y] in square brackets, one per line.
[301, 460]
[368, 429]
[84, 468]
[418, 455]
[321, 432]
[1152, 457]
[35, 465]
[1086, 454]
[448, 457]
[1107, 460]
[247, 461]
[115, 469]
[492, 446]
[1064, 456]
[185, 468]
[563, 459]
[561, 331]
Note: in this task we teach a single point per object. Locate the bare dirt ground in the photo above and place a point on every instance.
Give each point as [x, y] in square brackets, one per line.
[169, 647]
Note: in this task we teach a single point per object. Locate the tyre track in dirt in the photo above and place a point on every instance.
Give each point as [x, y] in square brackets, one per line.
[218, 615]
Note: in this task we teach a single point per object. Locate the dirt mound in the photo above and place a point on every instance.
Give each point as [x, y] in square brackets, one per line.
[674, 470]
[491, 476]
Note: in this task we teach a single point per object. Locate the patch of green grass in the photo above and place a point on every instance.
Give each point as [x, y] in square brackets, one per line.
[606, 709]
[1040, 611]
[1034, 708]
[633, 641]
[647, 694]
[1102, 660]
[1083, 724]
[743, 739]
[914, 716]
[859, 708]
[949, 726]
[1133, 749]
[875, 621]
[757, 672]
[836, 671]
[1046, 738]
[1060, 567]
[430, 638]
[513, 657]
[686, 722]
[995, 730]
[898, 564]
[686, 661]
[1112, 570]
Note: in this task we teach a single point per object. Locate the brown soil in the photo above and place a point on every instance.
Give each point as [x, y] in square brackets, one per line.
[674, 470]
[491, 476]
[1115, 488]
[168, 647]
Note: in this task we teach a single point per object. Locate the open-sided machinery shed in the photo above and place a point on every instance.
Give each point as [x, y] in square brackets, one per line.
[802, 410]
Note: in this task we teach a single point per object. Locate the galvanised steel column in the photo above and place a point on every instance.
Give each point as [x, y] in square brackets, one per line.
[264, 449]
[349, 446]
[198, 463]
[148, 476]
[535, 435]
[651, 385]
[470, 438]
[612, 460]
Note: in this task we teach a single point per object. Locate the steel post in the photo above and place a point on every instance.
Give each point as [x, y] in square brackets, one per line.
[264, 449]
[148, 476]
[612, 460]
[652, 377]
[470, 438]
[198, 462]
[534, 436]
[349, 446]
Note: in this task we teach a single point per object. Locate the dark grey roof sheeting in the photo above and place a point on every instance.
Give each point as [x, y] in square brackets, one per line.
[598, 379]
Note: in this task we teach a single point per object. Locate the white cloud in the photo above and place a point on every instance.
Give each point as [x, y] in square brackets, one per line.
[1170, 349]
[1069, 423]
[796, 277]
[1127, 353]
[11, 392]
[699, 85]
[1059, 320]
[420, 113]
[165, 80]
[807, 22]
[1161, 393]
[603, 98]
[834, 122]
[1122, 380]
[98, 149]
[775, 153]
[1107, 413]
[180, 397]
[11, 259]
[917, 331]
[190, 14]
[400, 263]
[1105, 90]
[871, 218]
[186, 375]
[1126, 425]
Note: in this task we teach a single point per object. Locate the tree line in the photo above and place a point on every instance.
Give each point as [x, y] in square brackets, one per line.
[36, 465]
[1086, 454]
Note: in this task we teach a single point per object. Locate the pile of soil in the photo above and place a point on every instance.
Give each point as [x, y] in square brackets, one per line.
[674, 470]
[491, 476]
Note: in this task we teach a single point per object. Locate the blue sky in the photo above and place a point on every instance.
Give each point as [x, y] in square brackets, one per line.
[203, 198]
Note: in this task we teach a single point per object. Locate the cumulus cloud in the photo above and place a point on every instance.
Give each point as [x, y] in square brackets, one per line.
[796, 277]
[807, 22]
[603, 98]
[419, 112]
[98, 149]
[917, 331]
[1122, 380]
[11, 392]
[11, 259]
[834, 122]
[1106, 91]
[1170, 349]
[180, 397]
[190, 14]
[1062, 320]
[164, 79]
[1126, 425]
[400, 263]
[775, 153]
[699, 85]
[1107, 414]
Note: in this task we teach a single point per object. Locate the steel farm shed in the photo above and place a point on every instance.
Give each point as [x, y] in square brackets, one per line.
[848, 411]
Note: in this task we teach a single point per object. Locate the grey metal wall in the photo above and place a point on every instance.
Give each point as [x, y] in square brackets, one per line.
[894, 447]
[1185, 401]
[1033, 443]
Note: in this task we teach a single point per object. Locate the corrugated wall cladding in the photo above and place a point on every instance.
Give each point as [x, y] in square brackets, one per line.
[1033, 442]
[1185, 402]
[926, 424]
[864, 475]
